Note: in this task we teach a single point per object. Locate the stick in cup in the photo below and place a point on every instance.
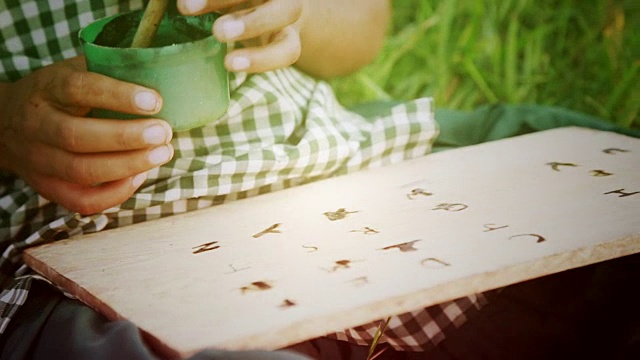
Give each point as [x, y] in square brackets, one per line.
[184, 63]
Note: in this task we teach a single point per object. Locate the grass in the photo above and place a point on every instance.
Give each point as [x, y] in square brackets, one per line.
[372, 355]
[581, 55]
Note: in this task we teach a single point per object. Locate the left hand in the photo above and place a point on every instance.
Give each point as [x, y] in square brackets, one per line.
[269, 31]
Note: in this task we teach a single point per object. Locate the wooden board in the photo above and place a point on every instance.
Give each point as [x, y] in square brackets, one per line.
[280, 268]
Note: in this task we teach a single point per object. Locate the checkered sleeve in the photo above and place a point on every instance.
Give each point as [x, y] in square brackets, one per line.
[283, 128]
[36, 33]
[11, 297]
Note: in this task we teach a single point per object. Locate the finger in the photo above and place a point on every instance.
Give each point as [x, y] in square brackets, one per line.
[90, 135]
[196, 7]
[91, 169]
[76, 88]
[267, 18]
[87, 200]
[283, 51]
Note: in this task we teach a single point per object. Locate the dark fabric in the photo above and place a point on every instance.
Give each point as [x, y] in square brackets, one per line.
[51, 326]
[492, 122]
[585, 313]
[25, 331]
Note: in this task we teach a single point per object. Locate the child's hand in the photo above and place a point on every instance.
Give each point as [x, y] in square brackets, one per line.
[268, 30]
[85, 164]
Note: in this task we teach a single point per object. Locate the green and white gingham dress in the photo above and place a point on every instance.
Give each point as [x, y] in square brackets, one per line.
[283, 128]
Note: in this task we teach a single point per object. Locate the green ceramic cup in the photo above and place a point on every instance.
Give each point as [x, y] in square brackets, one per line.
[185, 65]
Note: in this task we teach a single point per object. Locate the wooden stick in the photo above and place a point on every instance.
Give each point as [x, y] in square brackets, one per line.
[149, 23]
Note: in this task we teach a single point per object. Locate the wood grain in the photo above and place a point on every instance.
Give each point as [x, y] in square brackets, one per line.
[409, 235]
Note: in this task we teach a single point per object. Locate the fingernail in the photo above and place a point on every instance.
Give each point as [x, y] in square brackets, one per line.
[138, 179]
[145, 100]
[160, 155]
[239, 63]
[194, 6]
[232, 29]
[155, 135]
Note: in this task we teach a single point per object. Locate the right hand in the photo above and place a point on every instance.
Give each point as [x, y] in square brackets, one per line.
[84, 164]
[275, 23]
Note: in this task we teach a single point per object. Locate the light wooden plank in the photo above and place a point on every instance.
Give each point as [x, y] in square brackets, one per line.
[412, 235]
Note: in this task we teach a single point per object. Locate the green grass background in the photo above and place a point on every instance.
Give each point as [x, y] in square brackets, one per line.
[583, 55]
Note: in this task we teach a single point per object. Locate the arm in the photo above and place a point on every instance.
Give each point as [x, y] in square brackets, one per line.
[324, 38]
[339, 37]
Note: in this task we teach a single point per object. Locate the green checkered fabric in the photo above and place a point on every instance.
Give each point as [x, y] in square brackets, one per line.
[37, 33]
[282, 129]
